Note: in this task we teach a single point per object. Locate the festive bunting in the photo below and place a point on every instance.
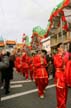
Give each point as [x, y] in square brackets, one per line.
[56, 12]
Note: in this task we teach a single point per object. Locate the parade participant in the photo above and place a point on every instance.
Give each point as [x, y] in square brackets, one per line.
[41, 76]
[32, 68]
[61, 88]
[24, 63]
[45, 55]
[68, 68]
[18, 62]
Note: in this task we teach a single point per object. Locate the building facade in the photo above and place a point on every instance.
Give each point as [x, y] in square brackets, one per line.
[10, 44]
[2, 44]
[46, 44]
[64, 37]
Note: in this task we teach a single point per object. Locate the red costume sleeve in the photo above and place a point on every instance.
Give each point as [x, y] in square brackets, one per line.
[18, 63]
[68, 73]
[66, 58]
[39, 61]
[25, 61]
[58, 61]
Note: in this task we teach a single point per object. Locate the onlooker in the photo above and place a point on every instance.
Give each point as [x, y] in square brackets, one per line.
[5, 73]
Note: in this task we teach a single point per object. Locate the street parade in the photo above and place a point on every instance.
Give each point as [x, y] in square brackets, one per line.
[36, 73]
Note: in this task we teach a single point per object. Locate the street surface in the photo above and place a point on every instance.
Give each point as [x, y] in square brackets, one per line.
[23, 94]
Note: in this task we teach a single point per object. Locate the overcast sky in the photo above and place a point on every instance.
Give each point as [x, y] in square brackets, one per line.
[20, 16]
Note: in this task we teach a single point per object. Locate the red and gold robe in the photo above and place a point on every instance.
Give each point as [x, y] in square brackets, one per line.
[41, 76]
[61, 88]
[68, 73]
[32, 68]
[18, 63]
[25, 65]
[59, 74]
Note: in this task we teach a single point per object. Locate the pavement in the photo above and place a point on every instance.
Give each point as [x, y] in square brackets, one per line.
[23, 94]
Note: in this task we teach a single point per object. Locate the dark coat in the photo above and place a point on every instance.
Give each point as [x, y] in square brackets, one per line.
[7, 72]
[11, 66]
[0, 79]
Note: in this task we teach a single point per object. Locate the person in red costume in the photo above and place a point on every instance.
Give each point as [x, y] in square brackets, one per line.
[18, 62]
[32, 68]
[41, 76]
[61, 88]
[25, 64]
[68, 68]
